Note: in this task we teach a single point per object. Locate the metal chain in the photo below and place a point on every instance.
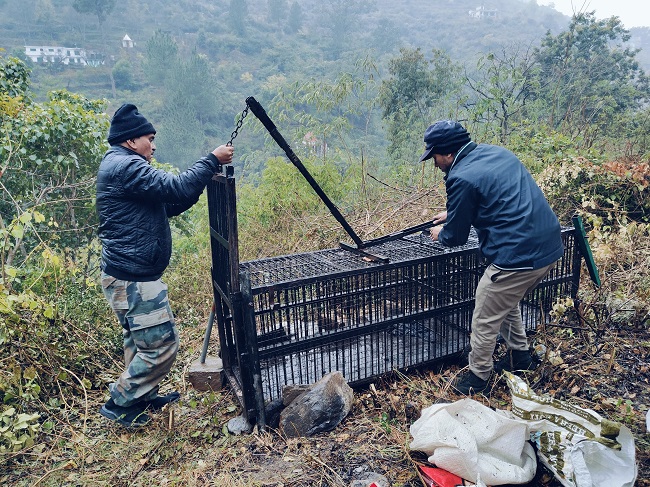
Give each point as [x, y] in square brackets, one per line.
[238, 126]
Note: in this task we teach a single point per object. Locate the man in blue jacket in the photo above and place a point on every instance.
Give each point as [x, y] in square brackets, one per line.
[490, 189]
[134, 203]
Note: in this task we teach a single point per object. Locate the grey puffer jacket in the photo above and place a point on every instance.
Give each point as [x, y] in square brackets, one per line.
[134, 203]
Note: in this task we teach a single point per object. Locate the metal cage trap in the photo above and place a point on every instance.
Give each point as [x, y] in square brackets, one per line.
[368, 309]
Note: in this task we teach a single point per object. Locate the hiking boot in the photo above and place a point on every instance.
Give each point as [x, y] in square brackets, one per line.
[129, 416]
[159, 402]
[468, 384]
[515, 360]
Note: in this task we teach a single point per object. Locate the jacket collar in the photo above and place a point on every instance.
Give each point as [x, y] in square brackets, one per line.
[125, 150]
[462, 152]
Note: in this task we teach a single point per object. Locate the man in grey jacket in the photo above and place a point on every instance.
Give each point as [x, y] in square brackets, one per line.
[490, 189]
[134, 203]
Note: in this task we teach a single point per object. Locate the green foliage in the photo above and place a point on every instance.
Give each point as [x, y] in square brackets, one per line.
[283, 195]
[335, 121]
[160, 57]
[539, 147]
[14, 78]
[50, 153]
[295, 19]
[588, 77]
[123, 75]
[277, 11]
[502, 85]
[340, 18]
[100, 8]
[238, 12]
[608, 192]
[417, 92]
[17, 430]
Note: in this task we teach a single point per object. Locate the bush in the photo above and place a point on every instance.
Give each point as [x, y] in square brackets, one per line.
[614, 191]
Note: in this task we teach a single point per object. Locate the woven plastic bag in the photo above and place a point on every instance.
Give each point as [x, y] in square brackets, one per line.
[581, 448]
[475, 442]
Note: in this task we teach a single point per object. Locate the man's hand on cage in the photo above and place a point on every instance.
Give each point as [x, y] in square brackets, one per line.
[440, 218]
[224, 153]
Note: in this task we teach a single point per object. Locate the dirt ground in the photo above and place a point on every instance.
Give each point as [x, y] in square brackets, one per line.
[607, 372]
[189, 444]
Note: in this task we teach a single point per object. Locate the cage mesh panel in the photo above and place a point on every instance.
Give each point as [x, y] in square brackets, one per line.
[333, 310]
[217, 202]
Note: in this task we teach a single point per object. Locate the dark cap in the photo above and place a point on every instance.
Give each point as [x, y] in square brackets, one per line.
[127, 123]
[444, 137]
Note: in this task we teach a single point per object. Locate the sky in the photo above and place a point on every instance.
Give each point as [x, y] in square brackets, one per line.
[633, 13]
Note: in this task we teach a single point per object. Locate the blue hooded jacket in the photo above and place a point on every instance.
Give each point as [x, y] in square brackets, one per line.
[134, 203]
[489, 188]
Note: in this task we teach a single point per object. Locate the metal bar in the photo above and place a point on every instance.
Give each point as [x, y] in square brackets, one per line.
[253, 374]
[400, 234]
[206, 338]
[261, 114]
[585, 249]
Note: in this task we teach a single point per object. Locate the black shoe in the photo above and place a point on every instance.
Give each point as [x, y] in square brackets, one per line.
[130, 416]
[515, 360]
[468, 384]
[159, 402]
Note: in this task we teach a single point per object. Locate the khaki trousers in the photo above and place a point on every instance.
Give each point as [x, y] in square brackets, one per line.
[497, 311]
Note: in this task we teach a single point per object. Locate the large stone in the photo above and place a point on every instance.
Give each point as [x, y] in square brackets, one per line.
[239, 425]
[289, 393]
[321, 408]
[207, 376]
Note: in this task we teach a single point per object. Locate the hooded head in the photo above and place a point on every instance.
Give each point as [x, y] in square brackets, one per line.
[127, 123]
[444, 137]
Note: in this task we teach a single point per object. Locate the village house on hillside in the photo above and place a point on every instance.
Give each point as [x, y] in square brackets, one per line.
[70, 56]
[63, 55]
[484, 13]
[127, 43]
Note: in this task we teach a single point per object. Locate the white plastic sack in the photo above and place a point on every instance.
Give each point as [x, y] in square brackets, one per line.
[580, 447]
[474, 442]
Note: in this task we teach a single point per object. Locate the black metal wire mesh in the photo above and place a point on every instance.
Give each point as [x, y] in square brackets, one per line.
[332, 310]
[312, 313]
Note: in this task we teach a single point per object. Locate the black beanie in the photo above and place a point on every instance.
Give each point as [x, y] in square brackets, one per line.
[127, 123]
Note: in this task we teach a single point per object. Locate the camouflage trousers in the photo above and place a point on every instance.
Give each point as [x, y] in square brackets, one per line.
[150, 337]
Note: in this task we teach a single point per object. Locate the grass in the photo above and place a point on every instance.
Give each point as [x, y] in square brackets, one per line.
[599, 362]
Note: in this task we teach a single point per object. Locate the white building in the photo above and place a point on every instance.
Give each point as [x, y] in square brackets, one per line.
[127, 42]
[56, 54]
[70, 56]
[484, 13]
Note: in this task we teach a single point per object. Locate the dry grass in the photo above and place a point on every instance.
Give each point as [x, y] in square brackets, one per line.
[604, 367]
[608, 375]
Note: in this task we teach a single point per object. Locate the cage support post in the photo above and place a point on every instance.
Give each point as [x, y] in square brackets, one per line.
[206, 338]
[207, 375]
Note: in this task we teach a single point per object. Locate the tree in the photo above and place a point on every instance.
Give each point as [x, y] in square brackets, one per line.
[49, 152]
[238, 12]
[341, 19]
[277, 10]
[588, 77]
[161, 57]
[14, 79]
[123, 74]
[100, 8]
[417, 92]
[294, 22]
[191, 106]
[384, 37]
[503, 84]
